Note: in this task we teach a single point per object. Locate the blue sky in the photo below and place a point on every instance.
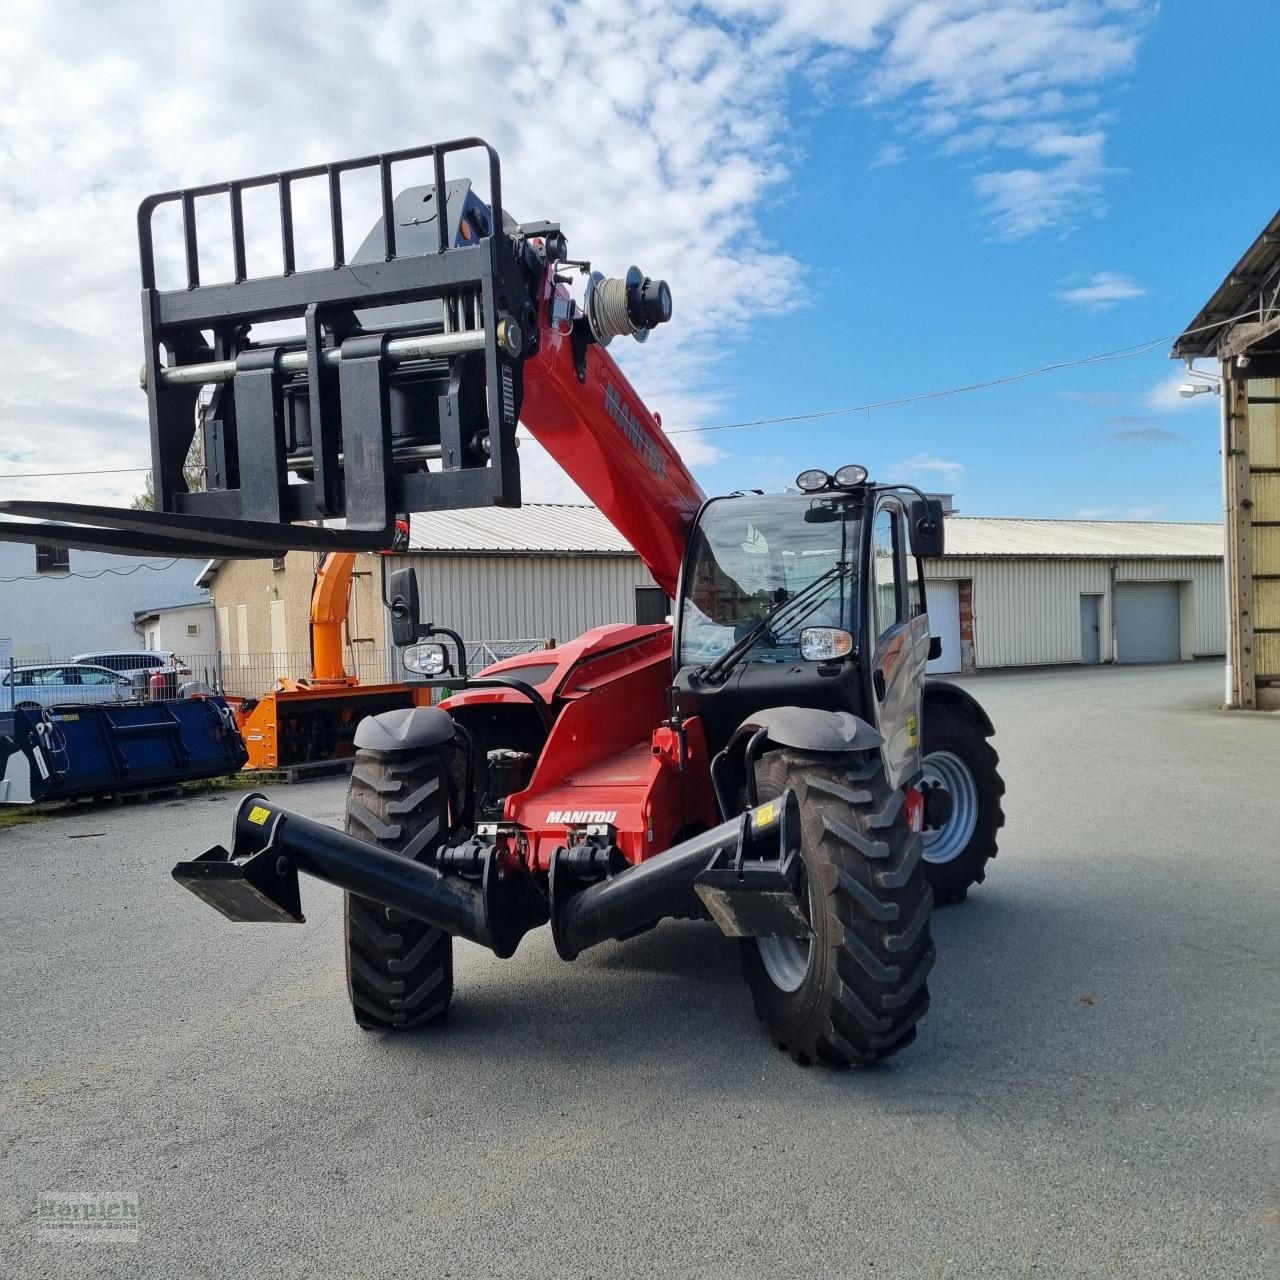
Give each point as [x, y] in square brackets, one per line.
[854, 200]
[912, 288]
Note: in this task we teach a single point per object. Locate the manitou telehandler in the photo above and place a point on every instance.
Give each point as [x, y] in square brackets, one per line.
[775, 761]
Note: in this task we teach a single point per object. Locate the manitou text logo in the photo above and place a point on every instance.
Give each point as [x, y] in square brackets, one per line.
[579, 817]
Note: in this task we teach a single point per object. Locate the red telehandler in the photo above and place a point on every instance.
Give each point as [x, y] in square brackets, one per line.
[775, 762]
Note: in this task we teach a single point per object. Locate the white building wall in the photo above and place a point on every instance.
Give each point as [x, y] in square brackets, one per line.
[1027, 612]
[170, 631]
[523, 597]
[58, 615]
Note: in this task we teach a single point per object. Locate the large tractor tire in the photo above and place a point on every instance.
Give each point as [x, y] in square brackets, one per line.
[853, 993]
[399, 969]
[959, 758]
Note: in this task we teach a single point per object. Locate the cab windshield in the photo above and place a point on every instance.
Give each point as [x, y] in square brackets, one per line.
[753, 553]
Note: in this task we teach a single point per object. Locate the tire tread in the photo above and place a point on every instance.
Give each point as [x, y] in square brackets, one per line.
[399, 968]
[867, 878]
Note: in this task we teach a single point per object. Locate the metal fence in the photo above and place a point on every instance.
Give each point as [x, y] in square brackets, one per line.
[60, 681]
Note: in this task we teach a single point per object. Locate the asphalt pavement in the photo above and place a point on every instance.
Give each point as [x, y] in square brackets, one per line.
[1093, 1092]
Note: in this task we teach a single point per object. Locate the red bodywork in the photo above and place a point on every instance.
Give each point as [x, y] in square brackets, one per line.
[611, 446]
[609, 757]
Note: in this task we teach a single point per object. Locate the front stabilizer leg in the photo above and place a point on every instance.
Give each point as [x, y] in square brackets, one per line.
[262, 888]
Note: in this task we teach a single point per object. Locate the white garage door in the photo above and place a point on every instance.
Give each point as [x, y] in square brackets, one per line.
[1148, 627]
[943, 598]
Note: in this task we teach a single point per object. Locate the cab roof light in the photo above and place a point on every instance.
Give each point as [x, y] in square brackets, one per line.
[813, 481]
[851, 476]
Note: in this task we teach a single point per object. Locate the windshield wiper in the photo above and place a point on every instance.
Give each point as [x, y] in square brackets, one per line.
[809, 595]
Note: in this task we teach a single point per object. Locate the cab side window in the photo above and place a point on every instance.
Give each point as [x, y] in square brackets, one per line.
[884, 572]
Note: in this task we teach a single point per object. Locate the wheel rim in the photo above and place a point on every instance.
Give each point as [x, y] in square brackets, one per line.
[786, 960]
[949, 841]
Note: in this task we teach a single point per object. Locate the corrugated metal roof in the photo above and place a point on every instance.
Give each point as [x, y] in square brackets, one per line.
[562, 528]
[969, 536]
[1239, 294]
[547, 527]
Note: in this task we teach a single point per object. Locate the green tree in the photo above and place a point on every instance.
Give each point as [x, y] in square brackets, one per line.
[192, 468]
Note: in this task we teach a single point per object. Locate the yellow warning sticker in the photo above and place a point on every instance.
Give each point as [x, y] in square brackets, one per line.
[766, 814]
[258, 815]
[913, 731]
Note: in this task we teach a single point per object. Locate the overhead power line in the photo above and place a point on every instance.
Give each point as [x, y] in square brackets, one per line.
[97, 471]
[1121, 353]
[94, 573]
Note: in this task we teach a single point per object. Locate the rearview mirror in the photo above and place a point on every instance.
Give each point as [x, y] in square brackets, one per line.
[405, 611]
[927, 535]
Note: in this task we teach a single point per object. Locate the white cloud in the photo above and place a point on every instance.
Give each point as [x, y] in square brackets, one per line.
[981, 77]
[1102, 291]
[889, 154]
[1025, 71]
[1164, 397]
[1023, 201]
[655, 132]
[662, 125]
[926, 464]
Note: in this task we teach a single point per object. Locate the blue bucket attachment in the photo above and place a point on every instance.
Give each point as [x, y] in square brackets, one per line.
[54, 753]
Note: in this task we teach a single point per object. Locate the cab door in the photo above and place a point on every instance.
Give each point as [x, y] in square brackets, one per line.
[898, 635]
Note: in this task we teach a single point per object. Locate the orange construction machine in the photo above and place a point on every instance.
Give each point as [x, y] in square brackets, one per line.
[315, 718]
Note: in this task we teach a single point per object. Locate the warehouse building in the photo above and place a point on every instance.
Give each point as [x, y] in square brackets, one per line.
[1013, 593]
[540, 570]
[1008, 593]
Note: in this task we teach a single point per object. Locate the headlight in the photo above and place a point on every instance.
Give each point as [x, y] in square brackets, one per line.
[426, 659]
[823, 644]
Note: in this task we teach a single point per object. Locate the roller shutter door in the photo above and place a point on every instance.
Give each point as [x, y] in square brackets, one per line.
[1148, 626]
[943, 598]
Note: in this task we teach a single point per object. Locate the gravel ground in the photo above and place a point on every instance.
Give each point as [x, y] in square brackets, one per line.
[1092, 1094]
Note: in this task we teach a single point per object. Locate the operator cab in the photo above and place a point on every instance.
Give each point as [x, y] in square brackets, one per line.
[808, 598]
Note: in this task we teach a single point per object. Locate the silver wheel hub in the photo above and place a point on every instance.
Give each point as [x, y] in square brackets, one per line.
[947, 842]
[786, 960]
